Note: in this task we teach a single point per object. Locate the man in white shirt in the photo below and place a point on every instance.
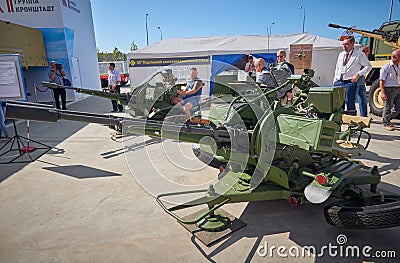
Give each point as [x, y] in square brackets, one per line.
[351, 64]
[389, 83]
[249, 68]
[114, 78]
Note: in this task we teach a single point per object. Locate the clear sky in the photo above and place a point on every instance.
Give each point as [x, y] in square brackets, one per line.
[119, 22]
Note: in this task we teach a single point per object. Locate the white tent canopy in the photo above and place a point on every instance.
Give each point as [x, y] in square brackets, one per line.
[325, 52]
[240, 44]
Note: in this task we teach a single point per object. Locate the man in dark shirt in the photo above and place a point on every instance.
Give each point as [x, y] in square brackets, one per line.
[56, 76]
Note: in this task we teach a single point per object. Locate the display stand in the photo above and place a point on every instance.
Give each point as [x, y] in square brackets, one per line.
[18, 149]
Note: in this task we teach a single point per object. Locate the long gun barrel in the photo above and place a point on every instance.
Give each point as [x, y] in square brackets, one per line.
[351, 29]
[46, 113]
[391, 39]
[122, 98]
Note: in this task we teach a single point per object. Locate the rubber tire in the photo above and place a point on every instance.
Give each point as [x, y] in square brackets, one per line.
[205, 157]
[374, 108]
[350, 214]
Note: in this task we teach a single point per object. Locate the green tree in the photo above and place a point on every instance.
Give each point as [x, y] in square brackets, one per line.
[100, 55]
[116, 54]
[133, 46]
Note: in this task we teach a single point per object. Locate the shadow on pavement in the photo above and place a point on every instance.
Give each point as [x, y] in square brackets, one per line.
[53, 134]
[81, 171]
[306, 227]
[130, 146]
[385, 137]
[385, 163]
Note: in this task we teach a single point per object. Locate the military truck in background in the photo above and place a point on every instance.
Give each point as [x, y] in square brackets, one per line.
[120, 66]
[382, 42]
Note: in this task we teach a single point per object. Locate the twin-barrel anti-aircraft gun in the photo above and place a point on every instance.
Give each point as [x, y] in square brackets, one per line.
[265, 149]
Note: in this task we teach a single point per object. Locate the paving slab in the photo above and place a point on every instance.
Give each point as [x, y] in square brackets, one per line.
[80, 202]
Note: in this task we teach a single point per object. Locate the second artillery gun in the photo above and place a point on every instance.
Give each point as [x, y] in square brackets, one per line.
[382, 42]
[150, 100]
[269, 150]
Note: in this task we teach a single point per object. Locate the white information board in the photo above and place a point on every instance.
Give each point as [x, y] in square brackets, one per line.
[11, 81]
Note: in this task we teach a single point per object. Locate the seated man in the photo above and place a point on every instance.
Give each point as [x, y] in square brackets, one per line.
[265, 77]
[281, 68]
[190, 95]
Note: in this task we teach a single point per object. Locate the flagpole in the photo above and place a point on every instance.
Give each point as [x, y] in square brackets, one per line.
[390, 14]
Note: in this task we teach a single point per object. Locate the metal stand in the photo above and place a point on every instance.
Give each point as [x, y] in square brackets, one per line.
[17, 149]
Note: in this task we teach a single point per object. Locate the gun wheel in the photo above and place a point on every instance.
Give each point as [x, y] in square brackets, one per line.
[375, 99]
[383, 211]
